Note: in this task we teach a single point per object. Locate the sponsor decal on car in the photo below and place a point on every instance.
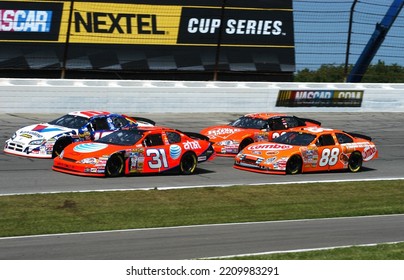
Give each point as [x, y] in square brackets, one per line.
[175, 151]
[26, 135]
[191, 145]
[223, 131]
[369, 152]
[89, 147]
[269, 147]
[261, 136]
[33, 133]
[44, 129]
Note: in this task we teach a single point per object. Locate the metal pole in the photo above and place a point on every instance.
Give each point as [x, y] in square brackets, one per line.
[348, 44]
[375, 41]
[219, 39]
[63, 74]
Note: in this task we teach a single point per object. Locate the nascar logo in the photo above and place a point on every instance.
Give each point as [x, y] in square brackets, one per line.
[25, 21]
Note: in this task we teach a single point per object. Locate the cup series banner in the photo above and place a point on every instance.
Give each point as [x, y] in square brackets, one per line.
[148, 35]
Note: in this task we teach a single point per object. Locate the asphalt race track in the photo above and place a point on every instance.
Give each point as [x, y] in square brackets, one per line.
[21, 175]
[24, 175]
[207, 241]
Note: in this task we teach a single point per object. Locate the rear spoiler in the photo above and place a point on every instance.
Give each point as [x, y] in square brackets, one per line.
[357, 135]
[309, 120]
[141, 119]
[195, 135]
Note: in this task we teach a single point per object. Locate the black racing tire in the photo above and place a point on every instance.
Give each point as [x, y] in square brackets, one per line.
[188, 163]
[294, 165]
[245, 143]
[115, 166]
[60, 145]
[355, 162]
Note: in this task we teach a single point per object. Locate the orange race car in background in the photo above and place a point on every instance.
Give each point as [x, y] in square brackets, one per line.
[232, 138]
[135, 151]
[308, 150]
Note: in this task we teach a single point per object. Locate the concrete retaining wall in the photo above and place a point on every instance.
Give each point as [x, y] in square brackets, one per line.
[124, 96]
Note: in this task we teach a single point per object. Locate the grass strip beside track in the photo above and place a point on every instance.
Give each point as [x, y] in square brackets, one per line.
[97, 211]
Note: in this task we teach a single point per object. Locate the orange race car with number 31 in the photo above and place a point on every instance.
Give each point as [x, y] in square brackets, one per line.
[135, 151]
[308, 150]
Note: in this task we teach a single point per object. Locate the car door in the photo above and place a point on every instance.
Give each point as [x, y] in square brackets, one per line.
[156, 153]
[101, 127]
[277, 127]
[328, 153]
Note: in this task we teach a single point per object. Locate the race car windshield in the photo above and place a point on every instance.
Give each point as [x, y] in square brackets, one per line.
[70, 121]
[248, 122]
[122, 137]
[295, 138]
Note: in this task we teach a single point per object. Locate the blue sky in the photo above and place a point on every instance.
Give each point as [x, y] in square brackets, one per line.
[321, 32]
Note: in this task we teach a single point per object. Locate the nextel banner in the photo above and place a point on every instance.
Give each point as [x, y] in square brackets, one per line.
[319, 98]
[37, 21]
[236, 26]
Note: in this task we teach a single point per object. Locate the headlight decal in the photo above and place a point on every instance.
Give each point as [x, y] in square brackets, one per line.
[91, 160]
[37, 142]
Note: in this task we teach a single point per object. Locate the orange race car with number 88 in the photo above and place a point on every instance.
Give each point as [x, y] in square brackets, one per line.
[308, 150]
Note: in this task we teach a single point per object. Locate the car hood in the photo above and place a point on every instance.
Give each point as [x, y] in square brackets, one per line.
[221, 132]
[269, 149]
[82, 150]
[40, 131]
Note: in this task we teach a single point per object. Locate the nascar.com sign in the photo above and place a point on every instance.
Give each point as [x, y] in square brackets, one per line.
[319, 98]
[170, 35]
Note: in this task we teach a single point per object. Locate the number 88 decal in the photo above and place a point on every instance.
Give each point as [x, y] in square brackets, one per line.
[329, 157]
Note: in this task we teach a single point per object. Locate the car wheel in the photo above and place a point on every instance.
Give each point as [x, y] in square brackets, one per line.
[115, 166]
[188, 163]
[60, 145]
[355, 162]
[245, 143]
[294, 165]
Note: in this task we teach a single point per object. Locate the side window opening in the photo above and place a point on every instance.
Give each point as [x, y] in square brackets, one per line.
[342, 138]
[153, 140]
[325, 140]
[173, 137]
[277, 124]
[119, 122]
[291, 122]
[100, 124]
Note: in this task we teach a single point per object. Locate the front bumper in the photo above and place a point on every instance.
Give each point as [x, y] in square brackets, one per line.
[18, 149]
[258, 165]
[74, 168]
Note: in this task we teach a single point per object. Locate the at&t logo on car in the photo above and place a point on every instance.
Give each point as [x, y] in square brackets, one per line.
[175, 151]
[25, 20]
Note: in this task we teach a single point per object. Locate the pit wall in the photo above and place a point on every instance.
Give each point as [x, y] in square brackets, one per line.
[144, 96]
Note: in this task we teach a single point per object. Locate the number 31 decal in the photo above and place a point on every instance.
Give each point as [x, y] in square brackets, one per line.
[159, 158]
[329, 157]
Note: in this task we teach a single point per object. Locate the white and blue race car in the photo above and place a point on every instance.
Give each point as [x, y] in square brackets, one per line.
[47, 140]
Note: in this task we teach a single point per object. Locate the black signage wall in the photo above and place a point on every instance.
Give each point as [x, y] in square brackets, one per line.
[224, 40]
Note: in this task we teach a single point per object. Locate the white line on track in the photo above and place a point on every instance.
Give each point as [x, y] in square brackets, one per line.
[195, 226]
[304, 250]
[209, 186]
